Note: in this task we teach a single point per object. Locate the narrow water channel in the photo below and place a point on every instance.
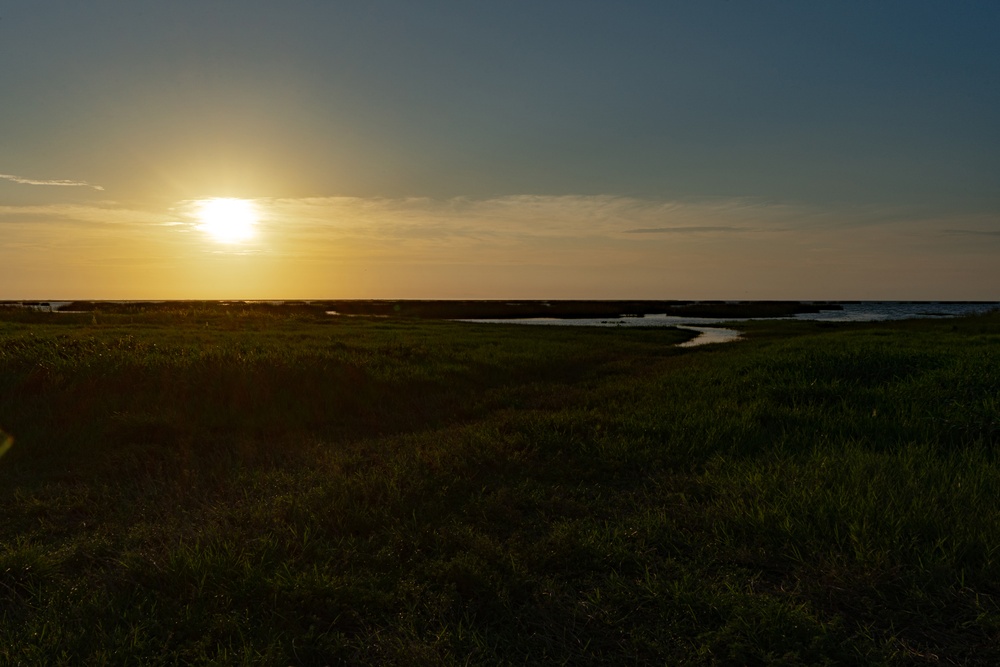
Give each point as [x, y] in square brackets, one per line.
[708, 335]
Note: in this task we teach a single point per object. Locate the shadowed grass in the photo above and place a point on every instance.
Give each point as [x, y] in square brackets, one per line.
[243, 488]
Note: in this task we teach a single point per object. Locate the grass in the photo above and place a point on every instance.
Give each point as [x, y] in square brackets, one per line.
[227, 486]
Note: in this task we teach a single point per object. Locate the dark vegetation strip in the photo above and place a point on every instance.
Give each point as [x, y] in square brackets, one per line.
[459, 309]
[254, 487]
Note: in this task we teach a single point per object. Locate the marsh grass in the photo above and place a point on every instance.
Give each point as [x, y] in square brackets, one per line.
[248, 488]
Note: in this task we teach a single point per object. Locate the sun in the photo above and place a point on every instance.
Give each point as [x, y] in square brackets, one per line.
[227, 220]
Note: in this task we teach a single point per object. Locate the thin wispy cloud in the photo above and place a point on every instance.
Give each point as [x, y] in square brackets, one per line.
[525, 217]
[587, 245]
[517, 220]
[59, 182]
[972, 232]
[683, 230]
[106, 213]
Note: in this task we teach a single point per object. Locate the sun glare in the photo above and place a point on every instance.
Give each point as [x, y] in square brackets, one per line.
[227, 220]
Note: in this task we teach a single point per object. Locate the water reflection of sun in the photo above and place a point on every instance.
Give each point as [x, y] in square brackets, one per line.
[227, 220]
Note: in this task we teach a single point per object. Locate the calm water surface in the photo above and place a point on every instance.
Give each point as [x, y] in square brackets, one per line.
[862, 311]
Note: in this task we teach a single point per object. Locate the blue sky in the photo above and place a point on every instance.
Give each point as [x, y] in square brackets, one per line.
[779, 149]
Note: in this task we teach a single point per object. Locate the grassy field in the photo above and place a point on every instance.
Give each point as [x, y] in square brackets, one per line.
[235, 487]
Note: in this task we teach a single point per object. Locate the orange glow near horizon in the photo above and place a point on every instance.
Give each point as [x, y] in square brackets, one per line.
[228, 220]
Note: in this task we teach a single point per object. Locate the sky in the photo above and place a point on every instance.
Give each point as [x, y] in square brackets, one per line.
[500, 149]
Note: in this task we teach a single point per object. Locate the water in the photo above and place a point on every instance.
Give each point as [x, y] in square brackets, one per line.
[860, 311]
[708, 335]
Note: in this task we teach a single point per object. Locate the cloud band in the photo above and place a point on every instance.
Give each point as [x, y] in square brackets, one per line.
[31, 181]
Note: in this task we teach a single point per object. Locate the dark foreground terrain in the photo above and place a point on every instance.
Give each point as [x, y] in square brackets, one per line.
[240, 486]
